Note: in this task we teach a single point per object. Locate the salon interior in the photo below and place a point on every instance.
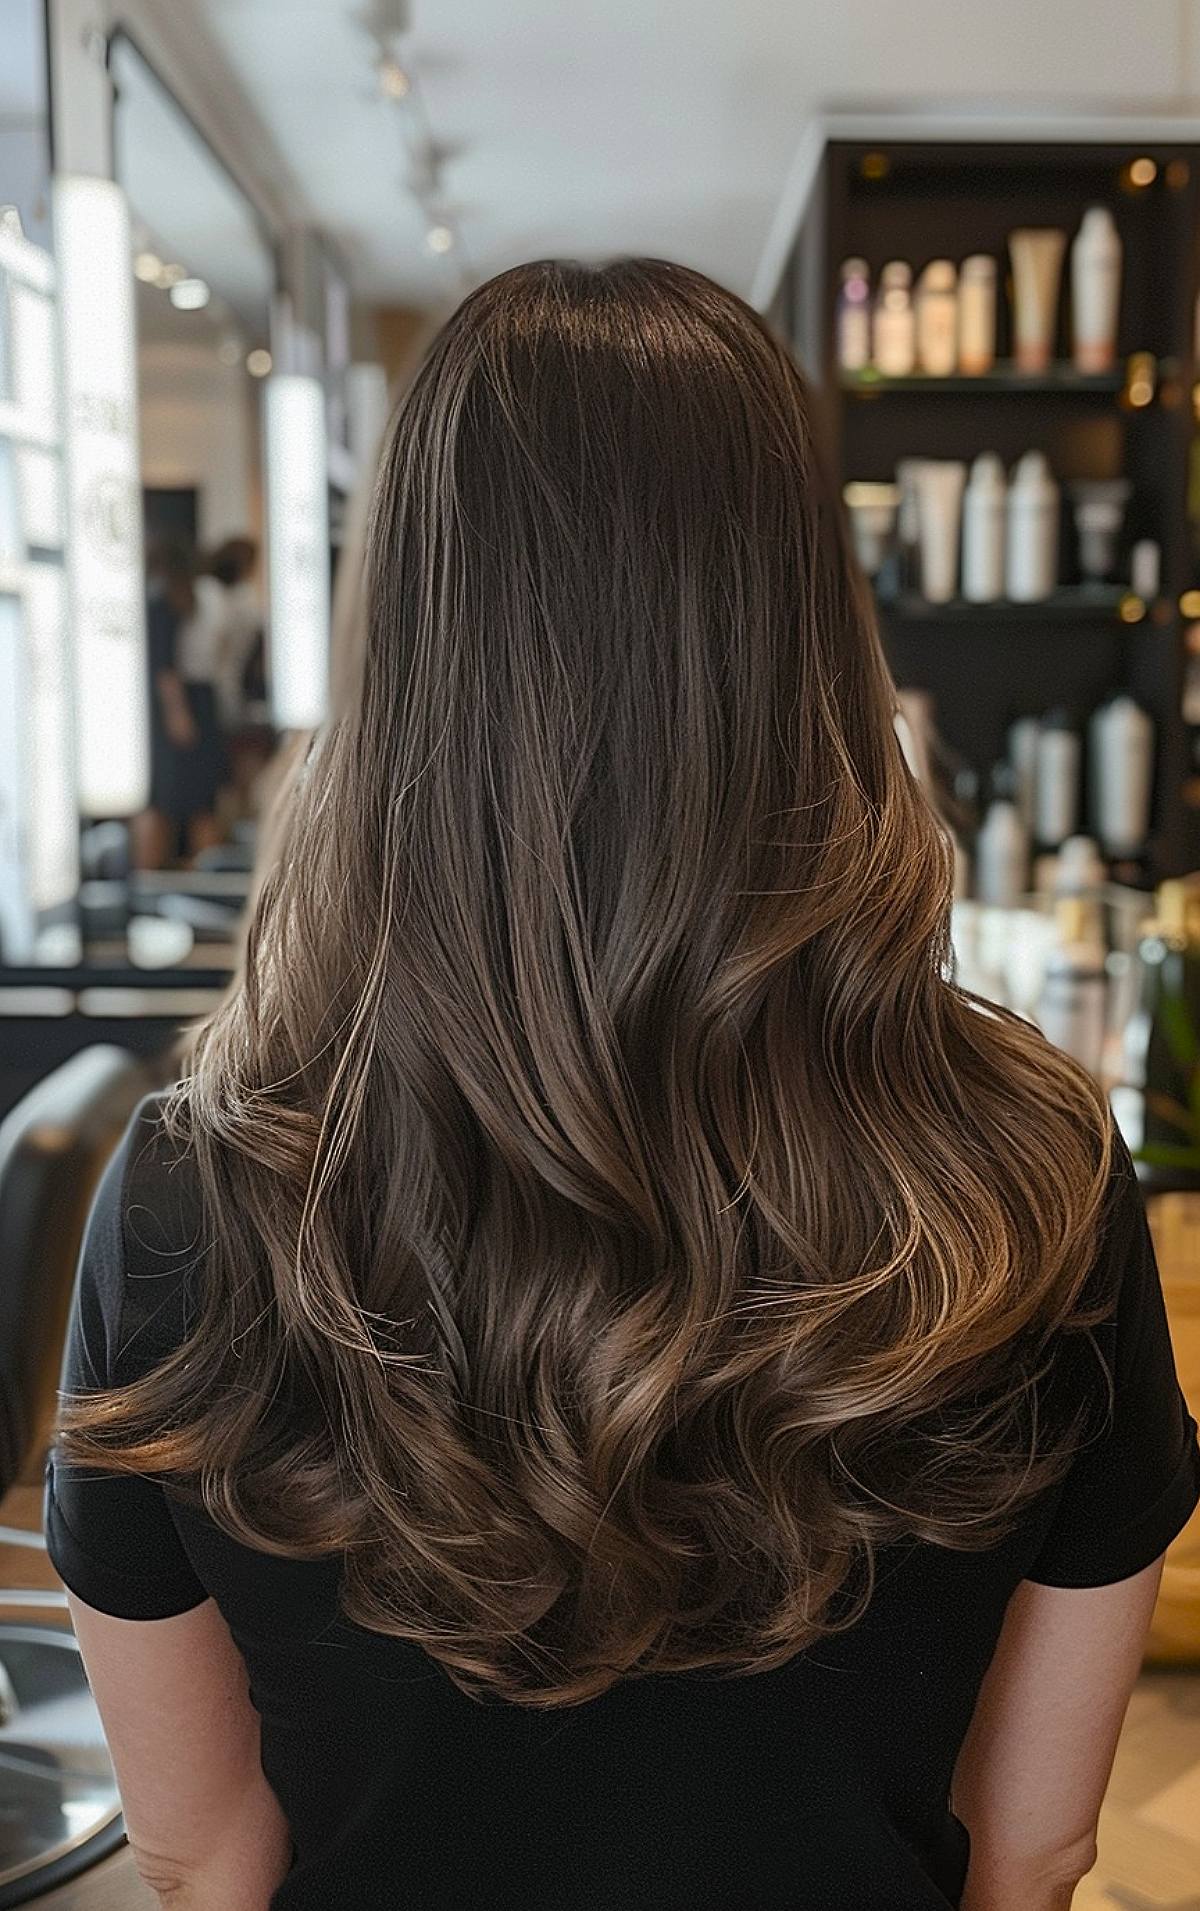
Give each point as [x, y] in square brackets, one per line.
[225, 234]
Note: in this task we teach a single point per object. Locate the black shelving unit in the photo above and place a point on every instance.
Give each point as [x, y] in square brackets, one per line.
[986, 665]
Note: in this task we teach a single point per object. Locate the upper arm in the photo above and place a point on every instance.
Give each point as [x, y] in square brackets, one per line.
[184, 1738]
[169, 1681]
[1036, 1761]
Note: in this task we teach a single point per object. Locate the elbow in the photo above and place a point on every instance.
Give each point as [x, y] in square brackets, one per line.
[170, 1882]
[1076, 1860]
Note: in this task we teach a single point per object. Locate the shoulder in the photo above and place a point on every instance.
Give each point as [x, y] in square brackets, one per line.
[145, 1241]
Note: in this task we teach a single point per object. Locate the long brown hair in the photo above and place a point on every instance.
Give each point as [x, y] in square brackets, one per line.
[618, 1223]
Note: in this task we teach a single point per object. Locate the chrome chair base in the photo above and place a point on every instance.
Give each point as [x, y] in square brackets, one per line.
[59, 1806]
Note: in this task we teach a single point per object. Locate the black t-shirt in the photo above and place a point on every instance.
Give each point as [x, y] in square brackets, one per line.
[824, 1783]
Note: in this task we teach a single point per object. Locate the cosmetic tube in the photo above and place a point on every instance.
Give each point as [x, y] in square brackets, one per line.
[977, 315]
[1032, 541]
[1122, 739]
[893, 327]
[1037, 255]
[854, 316]
[940, 494]
[1074, 999]
[985, 504]
[1056, 796]
[872, 509]
[1099, 516]
[1095, 291]
[1022, 756]
[1002, 855]
[937, 319]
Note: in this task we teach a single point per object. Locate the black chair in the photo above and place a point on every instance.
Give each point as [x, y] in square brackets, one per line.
[59, 1806]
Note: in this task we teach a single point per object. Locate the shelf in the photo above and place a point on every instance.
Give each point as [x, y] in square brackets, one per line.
[1075, 604]
[1005, 378]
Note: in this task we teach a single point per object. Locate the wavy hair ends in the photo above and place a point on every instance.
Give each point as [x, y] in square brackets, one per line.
[618, 1225]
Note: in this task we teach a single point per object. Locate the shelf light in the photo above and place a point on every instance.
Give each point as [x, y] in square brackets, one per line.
[1189, 605]
[1132, 608]
[298, 549]
[190, 295]
[1142, 173]
[103, 477]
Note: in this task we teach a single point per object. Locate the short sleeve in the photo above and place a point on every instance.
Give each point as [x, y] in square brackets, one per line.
[111, 1536]
[1134, 1487]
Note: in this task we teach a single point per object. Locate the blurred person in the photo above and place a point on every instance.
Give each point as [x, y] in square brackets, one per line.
[611, 1381]
[233, 565]
[240, 673]
[187, 756]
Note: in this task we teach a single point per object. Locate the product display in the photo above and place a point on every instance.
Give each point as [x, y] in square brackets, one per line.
[1002, 849]
[1022, 756]
[1095, 291]
[1145, 568]
[1078, 868]
[1032, 545]
[1122, 751]
[854, 316]
[1073, 1006]
[937, 319]
[1037, 256]
[1158, 1096]
[984, 511]
[1099, 516]
[1056, 791]
[977, 315]
[893, 330]
[940, 485]
[873, 509]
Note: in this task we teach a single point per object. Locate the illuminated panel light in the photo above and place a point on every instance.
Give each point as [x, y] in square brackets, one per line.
[104, 545]
[298, 549]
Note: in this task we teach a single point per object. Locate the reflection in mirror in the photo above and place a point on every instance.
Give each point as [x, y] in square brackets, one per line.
[204, 275]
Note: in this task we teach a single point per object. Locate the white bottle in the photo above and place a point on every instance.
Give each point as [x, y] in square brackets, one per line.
[937, 319]
[1056, 795]
[1096, 291]
[893, 330]
[1072, 1009]
[977, 315]
[1001, 856]
[1080, 869]
[854, 316]
[1123, 750]
[1032, 543]
[1145, 569]
[1022, 756]
[984, 509]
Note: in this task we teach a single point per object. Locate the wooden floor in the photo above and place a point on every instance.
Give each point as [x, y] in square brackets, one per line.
[1149, 1831]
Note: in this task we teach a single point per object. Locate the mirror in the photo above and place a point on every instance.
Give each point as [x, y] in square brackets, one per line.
[204, 271]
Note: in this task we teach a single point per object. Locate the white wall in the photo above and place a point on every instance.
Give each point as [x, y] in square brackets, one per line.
[198, 427]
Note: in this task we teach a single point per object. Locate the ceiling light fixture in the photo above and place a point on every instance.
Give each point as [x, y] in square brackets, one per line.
[170, 275]
[439, 238]
[189, 295]
[146, 267]
[258, 362]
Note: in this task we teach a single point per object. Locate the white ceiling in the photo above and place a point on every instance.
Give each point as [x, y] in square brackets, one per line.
[601, 126]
